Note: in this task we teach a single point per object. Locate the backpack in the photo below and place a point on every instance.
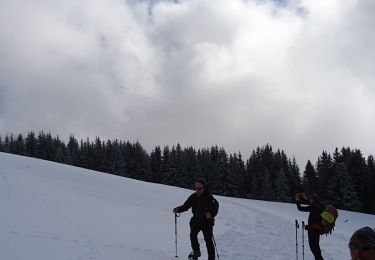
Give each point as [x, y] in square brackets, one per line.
[329, 216]
[215, 207]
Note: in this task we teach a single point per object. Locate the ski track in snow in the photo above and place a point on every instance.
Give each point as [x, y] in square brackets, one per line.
[80, 240]
[54, 211]
[4, 186]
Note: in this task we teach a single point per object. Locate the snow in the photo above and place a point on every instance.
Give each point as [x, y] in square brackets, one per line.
[54, 211]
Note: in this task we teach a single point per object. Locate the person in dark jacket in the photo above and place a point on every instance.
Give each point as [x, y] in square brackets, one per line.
[362, 244]
[204, 208]
[314, 221]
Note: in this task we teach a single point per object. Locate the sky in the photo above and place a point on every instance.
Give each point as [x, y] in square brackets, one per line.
[239, 74]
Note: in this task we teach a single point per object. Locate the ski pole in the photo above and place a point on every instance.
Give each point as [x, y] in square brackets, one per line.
[175, 230]
[217, 253]
[303, 240]
[297, 227]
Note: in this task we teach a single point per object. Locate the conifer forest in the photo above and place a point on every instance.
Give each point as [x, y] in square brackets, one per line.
[344, 177]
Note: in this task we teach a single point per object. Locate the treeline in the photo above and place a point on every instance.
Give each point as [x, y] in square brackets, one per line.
[345, 178]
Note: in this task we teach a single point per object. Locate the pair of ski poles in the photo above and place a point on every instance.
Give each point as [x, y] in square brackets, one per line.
[303, 239]
[176, 215]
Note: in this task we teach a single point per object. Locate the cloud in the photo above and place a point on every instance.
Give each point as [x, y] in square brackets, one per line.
[295, 74]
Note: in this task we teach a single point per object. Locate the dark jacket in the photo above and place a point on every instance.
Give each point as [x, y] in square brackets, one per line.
[199, 206]
[315, 210]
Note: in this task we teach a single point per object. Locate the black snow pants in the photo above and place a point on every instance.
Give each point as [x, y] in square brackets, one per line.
[314, 237]
[207, 228]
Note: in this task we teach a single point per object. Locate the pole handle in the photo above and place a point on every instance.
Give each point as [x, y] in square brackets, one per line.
[297, 225]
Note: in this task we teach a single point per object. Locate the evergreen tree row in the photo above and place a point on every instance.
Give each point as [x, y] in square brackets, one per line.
[346, 178]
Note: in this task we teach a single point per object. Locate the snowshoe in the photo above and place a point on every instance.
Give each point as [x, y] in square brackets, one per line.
[194, 255]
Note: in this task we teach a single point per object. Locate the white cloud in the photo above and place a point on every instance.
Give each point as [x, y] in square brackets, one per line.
[234, 73]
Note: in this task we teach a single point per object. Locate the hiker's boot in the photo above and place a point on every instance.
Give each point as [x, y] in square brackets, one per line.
[194, 255]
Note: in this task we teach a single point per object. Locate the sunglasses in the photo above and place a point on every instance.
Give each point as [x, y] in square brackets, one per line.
[360, 246]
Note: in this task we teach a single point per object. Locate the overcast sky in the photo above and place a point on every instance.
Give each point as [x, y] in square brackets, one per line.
[298, 75]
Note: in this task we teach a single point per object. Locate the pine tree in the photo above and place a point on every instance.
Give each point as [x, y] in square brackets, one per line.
[281, 187]
[60, 150]
[216, 164]
[233, 176]
[261, 177]
[20, 145]
[155, 164]
[323, 170]
[267, 192]
[251, 177]
[310, 178]
[31, 145]
[108, 157]
[167, 168]
[73, 151]
[85, 154]
[12, 145]
[45, 146]
[118, 159]
[238, 167]
[341, 190]
[294, 177]
[138, 162]
[369, 206]
[191, 166]
[6, 144]
[205, 161]
[98, 155]
[356, 165]
[220, 178]
[180, 173]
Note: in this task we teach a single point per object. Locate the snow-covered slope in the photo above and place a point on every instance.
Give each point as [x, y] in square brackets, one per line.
[53, 211]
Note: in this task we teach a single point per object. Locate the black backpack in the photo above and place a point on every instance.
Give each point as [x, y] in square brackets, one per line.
[215, 207]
